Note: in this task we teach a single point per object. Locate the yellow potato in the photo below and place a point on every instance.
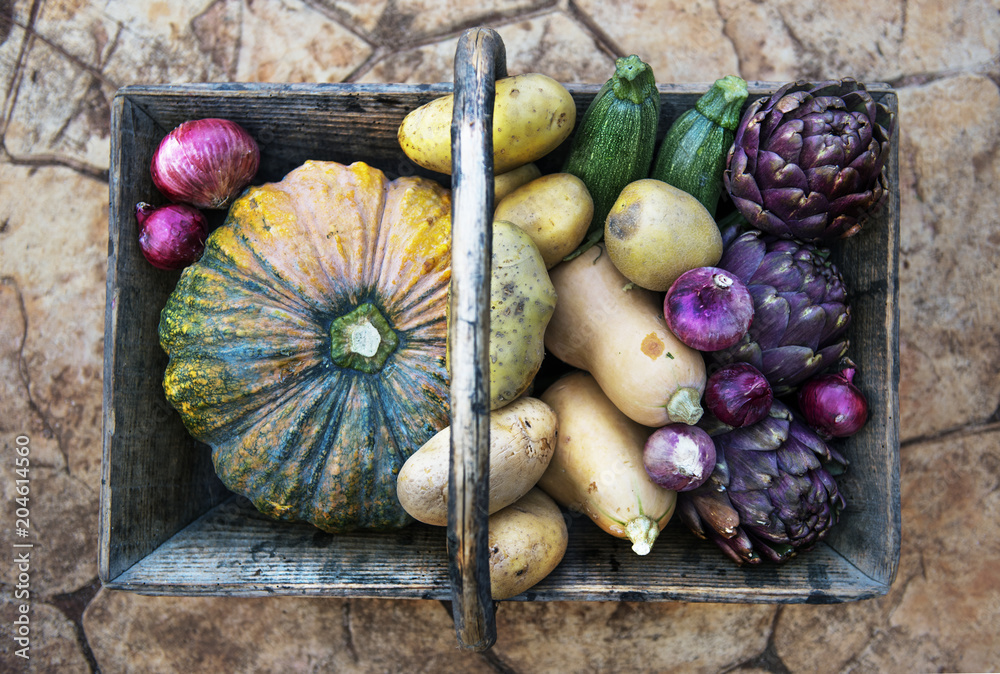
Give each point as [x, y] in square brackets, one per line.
[532, 115]
[522, 440]
[522, 301]
[505, 183]
[527, 540]
[656, 232]
[555, 210]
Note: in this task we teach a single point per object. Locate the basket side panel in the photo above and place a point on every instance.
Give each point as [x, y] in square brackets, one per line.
[156, 477]
[869, 533]
[293, 123]
[234, 550]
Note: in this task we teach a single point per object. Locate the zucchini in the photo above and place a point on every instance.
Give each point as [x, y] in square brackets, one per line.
[693, 153]
[616, 139]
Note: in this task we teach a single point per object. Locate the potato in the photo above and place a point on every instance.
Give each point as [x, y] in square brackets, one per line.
[522, 440]
[656, 232]
[522, 300]
[554, 209]
[505, 183]
[532, 115]
[527, 540]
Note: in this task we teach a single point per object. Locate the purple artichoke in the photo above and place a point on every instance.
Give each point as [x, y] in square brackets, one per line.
[800, 308]
[772, 493]
[809, 162]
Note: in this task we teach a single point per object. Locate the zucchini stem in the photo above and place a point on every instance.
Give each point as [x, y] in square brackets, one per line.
[632, 80]
[723, 103]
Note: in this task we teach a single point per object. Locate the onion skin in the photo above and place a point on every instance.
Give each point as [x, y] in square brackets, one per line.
[738, 395]
[832, 405]
[171, 236]
[205, 162]
[679, 457]
[708, 308]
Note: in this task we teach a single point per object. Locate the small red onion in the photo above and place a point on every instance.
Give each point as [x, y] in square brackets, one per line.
[738, 395]
[171, 236]
[832, 405]
[679, 457]
[205, 162]
[708, 308]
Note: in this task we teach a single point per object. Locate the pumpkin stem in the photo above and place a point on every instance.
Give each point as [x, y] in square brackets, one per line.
[362, 339]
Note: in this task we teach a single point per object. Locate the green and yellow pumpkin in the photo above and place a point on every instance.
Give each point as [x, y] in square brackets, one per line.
[307, 345]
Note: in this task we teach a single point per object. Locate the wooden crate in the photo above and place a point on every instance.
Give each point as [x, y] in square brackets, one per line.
[168, 526]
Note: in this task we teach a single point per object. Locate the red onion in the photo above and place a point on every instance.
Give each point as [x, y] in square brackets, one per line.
[708, 308]
[205, 162]
[738, 395]
[171, 236]
[679, 457]
[832, 405]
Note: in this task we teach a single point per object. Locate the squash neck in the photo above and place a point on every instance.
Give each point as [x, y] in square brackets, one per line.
[362, 340]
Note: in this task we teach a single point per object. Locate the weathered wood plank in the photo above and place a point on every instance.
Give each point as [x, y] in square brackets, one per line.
[233, 550]
[156, 478]
[480, 60]
[870, 535]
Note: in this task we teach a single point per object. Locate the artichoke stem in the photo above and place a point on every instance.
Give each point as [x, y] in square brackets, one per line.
[642, 531]
[685, 406]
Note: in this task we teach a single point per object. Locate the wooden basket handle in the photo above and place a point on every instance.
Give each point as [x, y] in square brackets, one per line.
[480, 60]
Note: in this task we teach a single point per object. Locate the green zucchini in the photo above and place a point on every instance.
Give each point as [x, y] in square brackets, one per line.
[693, 153]
[615, 141]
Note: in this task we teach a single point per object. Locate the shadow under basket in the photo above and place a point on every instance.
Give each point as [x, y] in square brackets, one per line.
[169, 527]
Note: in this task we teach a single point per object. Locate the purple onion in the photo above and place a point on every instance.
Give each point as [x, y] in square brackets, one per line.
[738, 395]
[205, 162]
[832, 405]
[171, 236]
[708, 308]
[679, 457]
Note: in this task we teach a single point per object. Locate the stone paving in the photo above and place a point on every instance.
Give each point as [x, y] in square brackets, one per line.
[61, 62]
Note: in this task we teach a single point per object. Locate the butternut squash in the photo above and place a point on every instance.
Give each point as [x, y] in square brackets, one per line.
[616, 331]
[597, 468]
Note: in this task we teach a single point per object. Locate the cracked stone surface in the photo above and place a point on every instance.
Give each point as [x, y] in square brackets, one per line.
[61, 62]
[54, 643]
[628, 636]
[292, 634]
